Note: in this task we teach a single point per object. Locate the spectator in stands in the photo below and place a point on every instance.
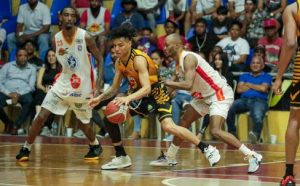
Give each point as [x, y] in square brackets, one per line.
[45, 80]
[272, 43]
[129, 16]
[202, 40]
[150, 10]
[2, 40]
[35, 18]
[213, 52]
[220, 64]
[254, 88]
[96, 20]
[220, 25]
[170, 27]
[273, 8]
[253, 23]
[237, 48]
[206, 9]
[147, 41]
[236, 9]
[30, 48]
[177, 11]
[17, 83]
[80, 5]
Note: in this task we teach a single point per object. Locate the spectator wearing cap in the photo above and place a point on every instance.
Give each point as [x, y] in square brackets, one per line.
[170, 27]
[129, 16]
[272, 43]
[253, 23]
[34, 17]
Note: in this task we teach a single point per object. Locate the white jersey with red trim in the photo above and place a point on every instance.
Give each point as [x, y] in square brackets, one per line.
[207, 81]
[76, 79]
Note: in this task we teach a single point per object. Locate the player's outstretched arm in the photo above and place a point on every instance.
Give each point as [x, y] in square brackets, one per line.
[190, 63]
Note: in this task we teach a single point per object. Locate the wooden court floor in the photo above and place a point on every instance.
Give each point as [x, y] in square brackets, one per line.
[59, 161]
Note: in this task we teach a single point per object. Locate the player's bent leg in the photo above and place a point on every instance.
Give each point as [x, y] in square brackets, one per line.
[35, 129]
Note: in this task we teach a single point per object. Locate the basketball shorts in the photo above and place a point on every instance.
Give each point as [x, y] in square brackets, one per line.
[295, 95]
[212, 106]
[158, 102]
[59, 106]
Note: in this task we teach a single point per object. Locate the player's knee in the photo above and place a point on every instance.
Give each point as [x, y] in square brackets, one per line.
[169, 128]
[215, 132]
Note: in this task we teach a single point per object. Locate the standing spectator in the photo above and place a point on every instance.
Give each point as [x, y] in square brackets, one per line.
[236, 8]
[96, 20]
[35, 18]
[17, 82]
[129, 16]
[177, 11]
[272, 43]
[32, 58]
[80, 5]
[202, 40]
[254, 88]
[45, 80]
[150, 10]
[236, 48]
[253, 23]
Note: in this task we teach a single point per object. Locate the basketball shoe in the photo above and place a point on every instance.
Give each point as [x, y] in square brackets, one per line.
[288, 181]
[164, 161]
[212, 155]
[94, 152]
[117, 163]
[254, 162]
[23, 154]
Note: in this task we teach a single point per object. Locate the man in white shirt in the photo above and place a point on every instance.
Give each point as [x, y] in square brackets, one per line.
[35, 18]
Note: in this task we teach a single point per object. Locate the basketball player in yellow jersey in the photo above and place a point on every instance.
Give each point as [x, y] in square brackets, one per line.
[147, 95]
[291, 21]
[74, 86]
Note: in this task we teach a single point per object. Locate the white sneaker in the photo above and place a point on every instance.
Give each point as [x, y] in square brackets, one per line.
[254, 162]
[79, 134]
[212, 155]
[46, 132]
[163, 161]
[117, 163]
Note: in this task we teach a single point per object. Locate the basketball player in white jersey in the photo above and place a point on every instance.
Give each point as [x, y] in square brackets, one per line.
[73, 87]
[211, 94]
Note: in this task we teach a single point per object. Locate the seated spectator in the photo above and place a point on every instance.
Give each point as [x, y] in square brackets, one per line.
[253, 23]
[17, 82]
[237, 48]
[272, 44]
[177, 11]
[202, 40]
[254, 88]
[45, 80]
[220, 25]
[96, 20]
[129, 16]
[273, 8]
[205, 9]
[213, 52]
[236, 9]
[147, 41]
[80, 5]
[31, 57]
[220, 64]
[170, 27]
[35, 18]
[150, 10]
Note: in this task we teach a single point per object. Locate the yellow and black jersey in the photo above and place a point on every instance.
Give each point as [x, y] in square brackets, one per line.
[131, 74]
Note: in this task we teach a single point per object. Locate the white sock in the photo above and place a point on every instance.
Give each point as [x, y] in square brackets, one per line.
[172, 151]
[245, 150]
[27, 145]
[95, 142]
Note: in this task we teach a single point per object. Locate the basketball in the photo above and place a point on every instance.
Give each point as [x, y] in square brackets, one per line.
[116, 114]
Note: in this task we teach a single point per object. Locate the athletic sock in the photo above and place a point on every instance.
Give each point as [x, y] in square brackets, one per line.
[172, 151]
[289, 170]
[95, 142]
[120, 151]
[245, 150]
[27, 145]
[202, 146]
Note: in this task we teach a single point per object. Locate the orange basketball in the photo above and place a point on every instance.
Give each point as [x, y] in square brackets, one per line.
[116, 114]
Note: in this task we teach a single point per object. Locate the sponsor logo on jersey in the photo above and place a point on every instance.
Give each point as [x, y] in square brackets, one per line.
[78, 105]
[72, 62]
[79, 47]
[75, 81]
[59, 43]
[79, 41]
[75, 94]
